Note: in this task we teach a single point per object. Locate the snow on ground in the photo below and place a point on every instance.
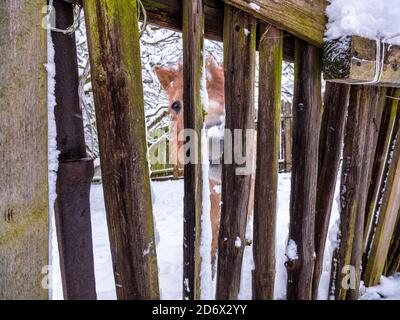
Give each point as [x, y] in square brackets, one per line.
[367, 18]
[168, 212]
[388, 289]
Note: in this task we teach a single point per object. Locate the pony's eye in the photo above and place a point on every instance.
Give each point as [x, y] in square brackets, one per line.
[176, 106]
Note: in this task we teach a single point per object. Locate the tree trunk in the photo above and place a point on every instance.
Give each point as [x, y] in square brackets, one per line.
[193, 24]
[307, 112]
[114, 48]
[239, 62]
[268, 136]
[75, 172]
[24, 224]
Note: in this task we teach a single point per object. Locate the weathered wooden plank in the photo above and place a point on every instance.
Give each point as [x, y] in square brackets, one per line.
[75, 172]
[389, 127]
[352, 60]
[193, 41]
[330, 148]
[307, 112]
[304, 19]
[114, 50]
[24, 223]
[363, 107]
[371, 136]
[239, 64]
[386, 221]
[354, 140]
[266, 185]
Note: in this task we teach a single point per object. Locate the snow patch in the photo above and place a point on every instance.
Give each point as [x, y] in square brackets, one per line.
[388, 289]
[147, 251]
[203, 87]
[238, 242]
[373, 19]
[254, 6]
[186, 284]
[217, 189]
[53, 153]
[207, 290]
[217, 132]
[291, 250]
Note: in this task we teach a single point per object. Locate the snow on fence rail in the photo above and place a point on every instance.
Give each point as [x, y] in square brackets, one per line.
[365, 118]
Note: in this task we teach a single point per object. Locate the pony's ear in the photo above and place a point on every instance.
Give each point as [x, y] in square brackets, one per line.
[165, 75]
[212, 67]
[211, 63]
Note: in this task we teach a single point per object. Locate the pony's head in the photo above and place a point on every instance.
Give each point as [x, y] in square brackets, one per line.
[171, 80]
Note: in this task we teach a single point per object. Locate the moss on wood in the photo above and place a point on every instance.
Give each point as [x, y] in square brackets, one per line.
[23, 152]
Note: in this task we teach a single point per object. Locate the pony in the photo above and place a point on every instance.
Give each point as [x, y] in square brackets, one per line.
[171, 80]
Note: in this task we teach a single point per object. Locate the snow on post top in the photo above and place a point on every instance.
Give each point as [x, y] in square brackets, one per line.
[373, 19]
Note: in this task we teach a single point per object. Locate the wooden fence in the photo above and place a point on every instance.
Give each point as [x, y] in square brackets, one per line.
[365, 118]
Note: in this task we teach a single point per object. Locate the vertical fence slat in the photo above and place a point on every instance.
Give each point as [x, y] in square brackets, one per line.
[388, 213]
[389, 125]
[268, 137]
[239, 62]
[307, 112]
[352, 169]
[358, 145]
[193, 25]
[330, 147]
[75, 172]
[114, 49]
[24, 222]
[371, 136]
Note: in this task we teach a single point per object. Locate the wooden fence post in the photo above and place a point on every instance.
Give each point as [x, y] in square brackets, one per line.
[24, 223]
[239, 63]
[266, 187]
[307, 112]
[330, 148]
[193, 24]
[75, 171]
[114, 49]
